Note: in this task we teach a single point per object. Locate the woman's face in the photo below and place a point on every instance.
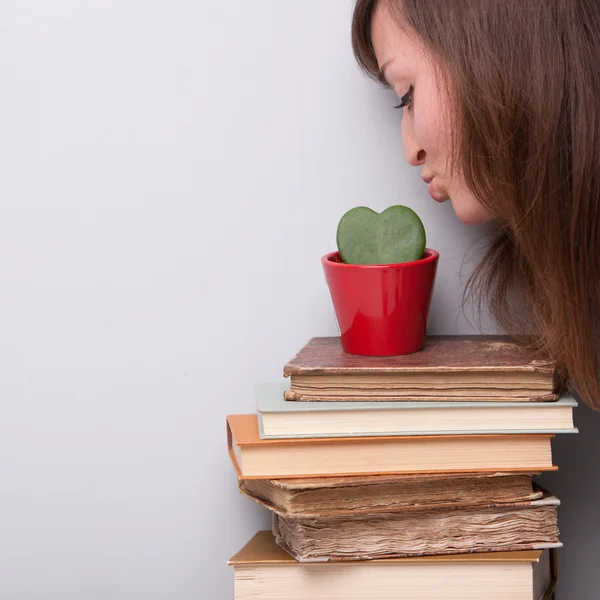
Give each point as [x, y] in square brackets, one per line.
[426, 133]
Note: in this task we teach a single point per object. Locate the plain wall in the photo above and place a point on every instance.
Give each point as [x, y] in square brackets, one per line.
[170, 175]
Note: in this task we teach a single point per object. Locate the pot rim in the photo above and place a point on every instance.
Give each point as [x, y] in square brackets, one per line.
[327, 260]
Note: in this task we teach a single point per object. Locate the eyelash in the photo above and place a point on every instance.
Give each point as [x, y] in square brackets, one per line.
[406, 100]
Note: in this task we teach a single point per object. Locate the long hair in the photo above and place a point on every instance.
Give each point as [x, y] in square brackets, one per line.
[524, 82]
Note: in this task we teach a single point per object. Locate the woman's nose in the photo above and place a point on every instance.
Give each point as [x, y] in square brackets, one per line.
[414, 153]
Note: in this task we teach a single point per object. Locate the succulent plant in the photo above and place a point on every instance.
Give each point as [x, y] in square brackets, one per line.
[365, 237]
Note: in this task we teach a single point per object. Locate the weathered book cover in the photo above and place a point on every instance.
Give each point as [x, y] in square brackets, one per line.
[510, 526]
[331, 496]
[263, 549]
[477, 367]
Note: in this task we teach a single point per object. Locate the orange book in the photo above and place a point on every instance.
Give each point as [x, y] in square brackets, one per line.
[256, 458]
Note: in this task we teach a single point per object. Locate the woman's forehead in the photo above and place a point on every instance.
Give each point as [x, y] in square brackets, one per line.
[392, 43]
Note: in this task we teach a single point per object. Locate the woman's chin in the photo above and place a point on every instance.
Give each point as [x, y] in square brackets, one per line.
[471, 213]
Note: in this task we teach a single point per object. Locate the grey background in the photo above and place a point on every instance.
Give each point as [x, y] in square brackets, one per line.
[171, 174]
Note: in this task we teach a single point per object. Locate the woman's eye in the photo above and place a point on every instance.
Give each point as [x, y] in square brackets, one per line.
[406, 100]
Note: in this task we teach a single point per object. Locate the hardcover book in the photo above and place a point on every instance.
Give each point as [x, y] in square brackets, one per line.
[370, 494]
[263, 570]
[414, 531]
[255, 458]
[280, 418]
[465, 367]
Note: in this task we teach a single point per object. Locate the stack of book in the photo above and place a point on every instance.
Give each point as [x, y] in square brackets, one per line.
[413, 473]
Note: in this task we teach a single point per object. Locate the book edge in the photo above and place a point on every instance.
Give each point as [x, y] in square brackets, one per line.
[257, 441]
[517, 556]
[545, 469]
[272, 397]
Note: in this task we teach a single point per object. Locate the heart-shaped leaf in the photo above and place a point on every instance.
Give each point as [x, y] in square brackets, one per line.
[365, 237]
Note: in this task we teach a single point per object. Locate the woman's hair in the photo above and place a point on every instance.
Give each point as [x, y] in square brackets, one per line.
[524, 82]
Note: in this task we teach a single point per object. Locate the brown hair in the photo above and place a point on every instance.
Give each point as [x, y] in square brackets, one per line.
[525, 84]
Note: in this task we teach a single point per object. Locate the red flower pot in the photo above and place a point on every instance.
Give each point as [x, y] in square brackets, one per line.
[381, 310]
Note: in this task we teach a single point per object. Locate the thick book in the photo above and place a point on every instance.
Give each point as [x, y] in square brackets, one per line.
[263, 570]
[450, 367]
[280, 418]
[370, 494]
[414, 531]
[255, 458]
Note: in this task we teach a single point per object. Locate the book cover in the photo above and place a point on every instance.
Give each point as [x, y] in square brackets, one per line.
[262, 569]
[476, 367]
[281, 418]
[441, 353]
[331, 496]
[262, 549]
[254, 457]
[528, 525]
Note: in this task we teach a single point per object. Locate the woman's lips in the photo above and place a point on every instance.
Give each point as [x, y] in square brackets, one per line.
[434, 195]
[428, 179]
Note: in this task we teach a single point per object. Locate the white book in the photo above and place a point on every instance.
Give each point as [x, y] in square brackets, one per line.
[263, 570]
[280, 418]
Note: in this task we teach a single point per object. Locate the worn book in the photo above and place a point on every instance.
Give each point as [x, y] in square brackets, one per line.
[263, 570]
[280, 418]
[450, 367]
[254, 457]
[370, 494]
[414, 531]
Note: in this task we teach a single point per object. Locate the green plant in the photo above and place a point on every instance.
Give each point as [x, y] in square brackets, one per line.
[365, 237]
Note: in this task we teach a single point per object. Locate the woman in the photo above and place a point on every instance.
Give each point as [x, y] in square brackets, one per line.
[500, 104]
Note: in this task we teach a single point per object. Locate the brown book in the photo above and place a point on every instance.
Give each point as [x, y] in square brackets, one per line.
[452, 367]
[256, 458]
[370, 494]
[263, 570]
[507, 526]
